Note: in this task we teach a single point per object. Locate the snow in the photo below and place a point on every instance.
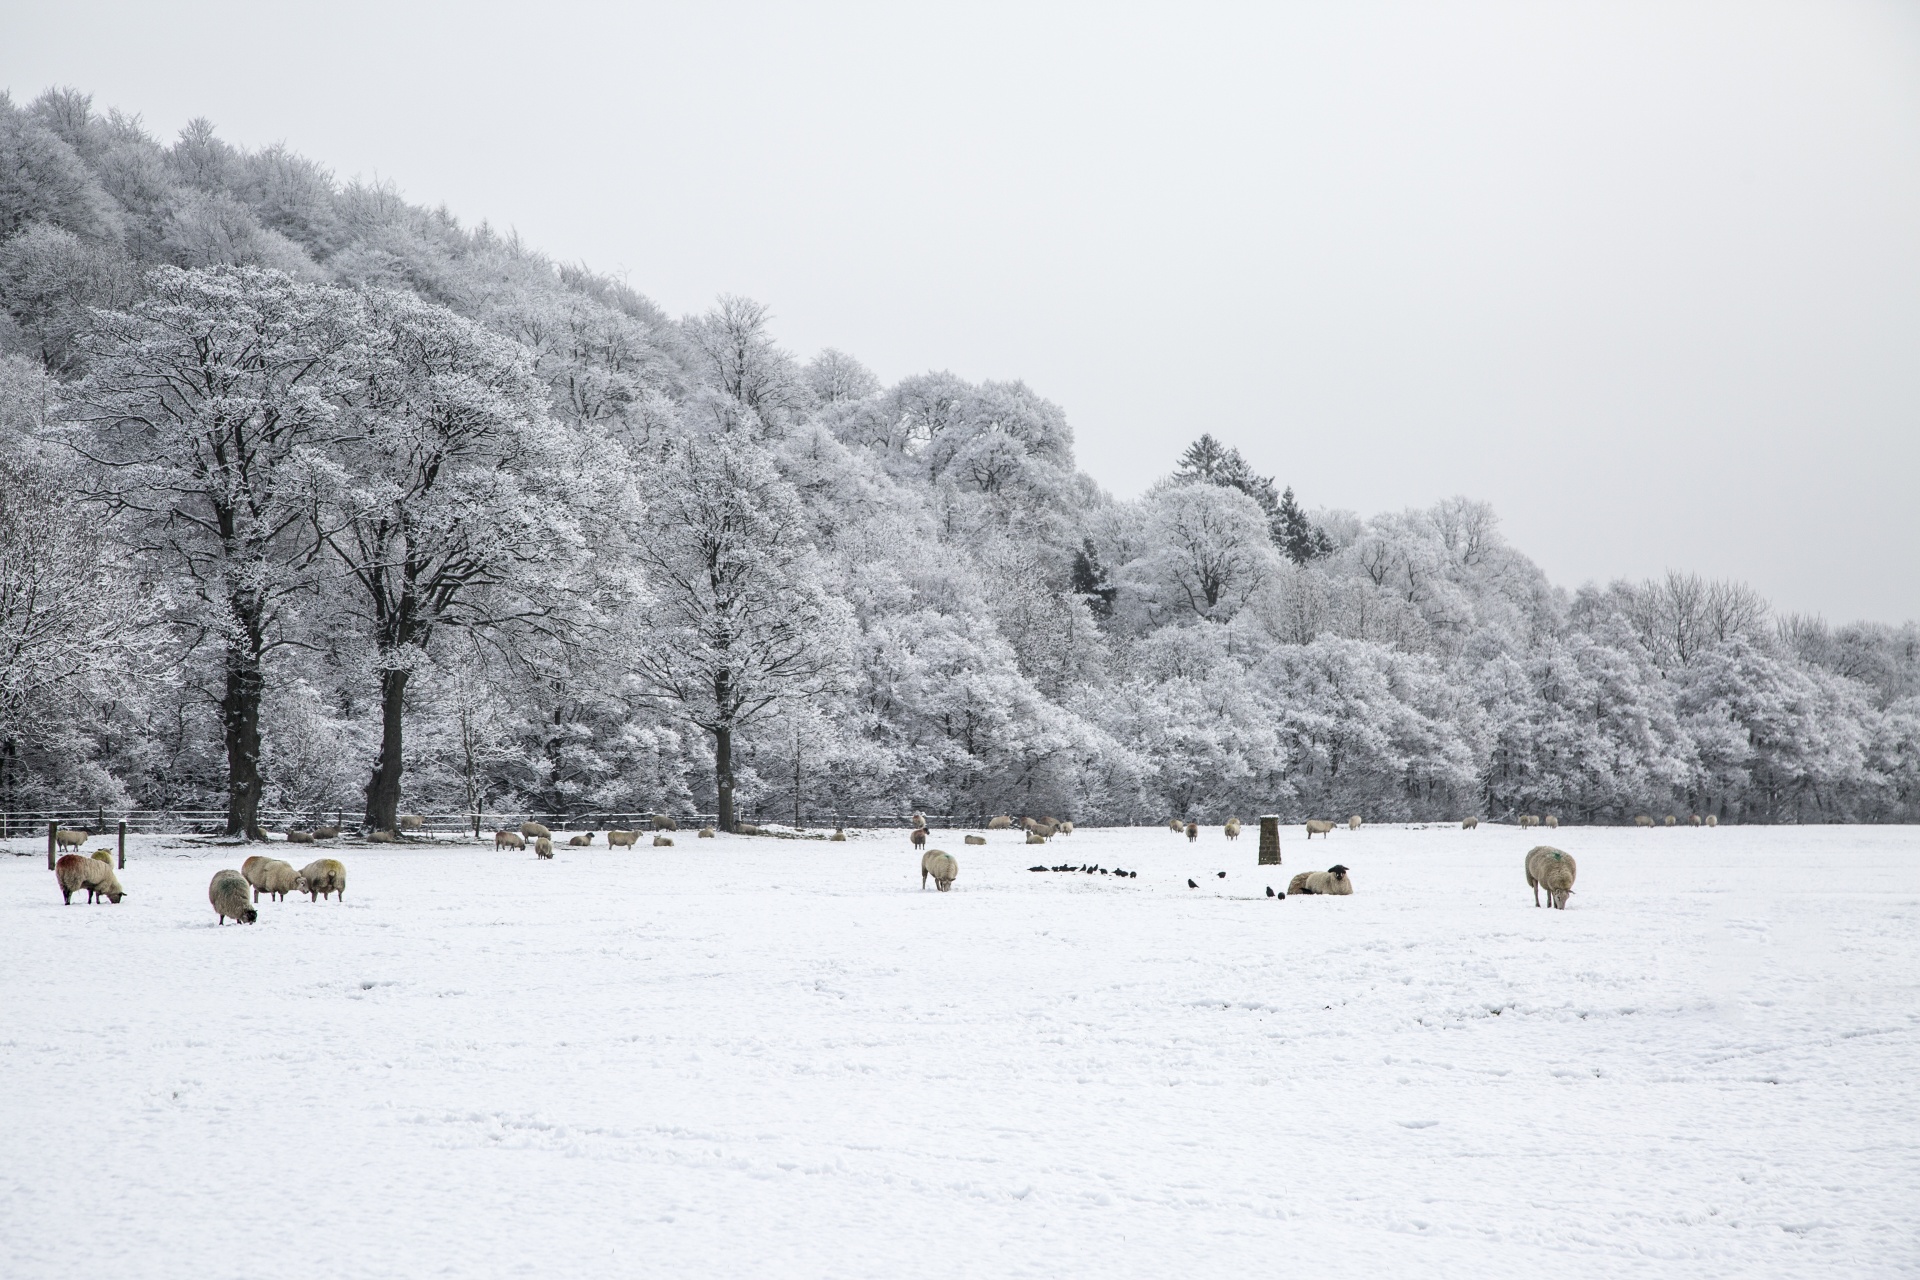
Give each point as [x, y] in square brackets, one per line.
[752, 1056]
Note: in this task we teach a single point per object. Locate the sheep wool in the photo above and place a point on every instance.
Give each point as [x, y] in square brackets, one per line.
[1232, 828]
[74, 873]
[275, 878]
[322, 878]
[620, 839]
[1553, 870]
[543, 847]
[65, 839]
[228, 894]
[533, 830]
[508, 840]
[1353, 823]
[941, 867]
[1315, 827]
[1002, 823]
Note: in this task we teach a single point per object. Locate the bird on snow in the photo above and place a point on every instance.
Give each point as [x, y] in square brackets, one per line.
[1221, 874]
[1269, 891]
[1192, 885]
[1036, 868]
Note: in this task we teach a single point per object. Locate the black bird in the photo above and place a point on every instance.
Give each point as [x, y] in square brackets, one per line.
[1133, 875]
[1117, 871]
[1269, 891]
[1043, 869]
[1222, 875]
[1192, 885]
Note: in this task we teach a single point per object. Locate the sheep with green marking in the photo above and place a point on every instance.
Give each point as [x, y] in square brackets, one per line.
[1553, 870]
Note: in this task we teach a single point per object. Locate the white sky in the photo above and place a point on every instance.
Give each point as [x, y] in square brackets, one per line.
[1645, 276]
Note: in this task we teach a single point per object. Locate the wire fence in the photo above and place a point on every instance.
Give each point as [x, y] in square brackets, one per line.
[20, 823]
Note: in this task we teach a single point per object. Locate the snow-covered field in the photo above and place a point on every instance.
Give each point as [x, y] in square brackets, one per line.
[758, 1057]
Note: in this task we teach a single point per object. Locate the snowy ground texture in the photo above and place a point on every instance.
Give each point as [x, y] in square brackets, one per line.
[757, 1057]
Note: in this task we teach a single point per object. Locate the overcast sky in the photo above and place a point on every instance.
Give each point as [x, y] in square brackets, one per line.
[1645, 276]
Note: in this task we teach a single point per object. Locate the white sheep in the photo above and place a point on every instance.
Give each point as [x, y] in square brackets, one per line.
[1713, 820]
[508, 840]
[1332, 881]
[543, 846]
[322, 878]
[65, 839]
[1176, 826]
[1002, 823]
[1232, 828]
[1552, 821]
[326, 833]
[299, 837]
[1468, 824]
[622, 839]
[582, 841]
[1034, 837]
[1353, 823]
[920, 820]
[228, 894]
[941, 867]
[974, 839]
[663, 842]
[704, 833]
[1642, 820]
[1694, 821]
[1529, 820]
[661, 822]
[272, 877]
[1315, 827]
[1066, 828]
[382, 837]
[74, 873]
[1553, 870]
[411, 822]
[533, 830]
[839, 835]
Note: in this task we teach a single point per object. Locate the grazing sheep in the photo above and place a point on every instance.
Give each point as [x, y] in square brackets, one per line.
[1552, 820]
[228, 894]
[1002, 823]
[299, 837]
[839, 836]
[1315, 827]
[664, 842]
[1193, 832]
[661, 822]
[975, 839]
[1066, 828]
[919, 839]
[322, 878]
[1713, 819]
[326, 833]
[1034, 837]
[704, 833]
[1233, 828]
[508, 840]
[273, 877]
[1469, 824]
[1353, 823]
[1694, 821]
[104, 855]
[74, 873]
[622, 839]
[65, 839]
[1642, 820]
[543, 847]
[533, 830]
[1176, 826]
[1672, 821]
[1528, 820]
[1553, 870]
[253, 864]
[1332, 881]
[411, 822]
[941, 867]
[582, 842]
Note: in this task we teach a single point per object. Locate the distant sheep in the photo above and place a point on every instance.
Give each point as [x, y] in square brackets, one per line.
[1529, 820]
[272, 877]
[1332, 881]
[920, 820]
[228, 894]
[1642, 820]
[1713, 820]
[322, 878]
[839, 836]
[941, 867]
[1552, 820]
[411, 822]
[661, 822]
[663, 842]
[1694, 821]
[705, 833]
[975, 839]
[918, 839]
[383, 837]
[1672, 821]
[1001, 823]
[622, 839]
[1353, 823]
[1232, 828]
[299, 837]
[326, 833]
[582, 842]
[1553, 870]
[1193, 832]
[1066, 828]
[1469, 824]
[543, 847]
[508, 840]
[1315, 827]
[533, 830]
[74, 873]
[1176, 826]
[1034, 837]
[65, 839]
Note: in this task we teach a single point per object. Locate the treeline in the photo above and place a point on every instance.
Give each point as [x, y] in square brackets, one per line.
[313, 499]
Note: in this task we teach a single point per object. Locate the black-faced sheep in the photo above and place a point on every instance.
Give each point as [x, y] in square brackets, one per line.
[1193, 832]
[1315, 827]
[74, 873]
[582, 841]
[918, 838]
[1332, 881]
[1553, 870]
[1694, 821]
[941, 867]
[508, 840]
[228, 894]
[322, 878]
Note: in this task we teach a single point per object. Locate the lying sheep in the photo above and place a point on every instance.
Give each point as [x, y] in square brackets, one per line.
[1552, 821]
[705, 833]
[663, 842]
[661, 822]
[941, 867]
[326, 833]
[65, 839]
[228, 894]
[1193, 832]
[74, 873]
[253, 864]
[1469, 824]
[1034, 837]
[1353, 823]
[322, 878]
[508, 840]
[1550, 869]
[1002, 823]
[273, 877]
[411, 822]
[543, 847]
[382, 837]
[1331, 881]
[1528, 820]
[1315, 827]
[582, 842]
[533, 830]
[299, 837]
[975, 839]
[839, 836]
[622, 839]
[1233, 828]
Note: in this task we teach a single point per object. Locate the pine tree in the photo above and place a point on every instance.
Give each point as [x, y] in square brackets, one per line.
[1090, 580]
[1299, 537]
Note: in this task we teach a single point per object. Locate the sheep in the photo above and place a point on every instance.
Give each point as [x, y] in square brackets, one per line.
[228, 894]
[1332, 881]
[543, 847]
[1469, 824]
[322, 878]
[1233, 828]
[1315, 827]
[1553, 870]
[582, 842]
[1002, 823]
[299, 837]
[65, 839]
[1528, 820]
[533, 830]
[705, 833]
[253, 864]
[920, 820]
[1034, 837]
[1642, 820]
[1176, 826]
[1671, 820]
[383, 837]
[508, 840]
[73, 873]
[622, 839]
[975, 839]
[1066, 828]
[326, 833]
[941, 867]
[273, 877]
[661, 822]
[839, 836]
[918, 839]
[1694, 821]
[666, 842]
[1552, 821]
[1193, 832]
[1713, 819]
[411, 822]
[1353, 823]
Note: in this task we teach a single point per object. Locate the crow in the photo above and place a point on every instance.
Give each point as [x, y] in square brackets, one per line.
[1192, 885]
[1043, 869]
[1269, 891]
[1133, 875]
[1221, 874]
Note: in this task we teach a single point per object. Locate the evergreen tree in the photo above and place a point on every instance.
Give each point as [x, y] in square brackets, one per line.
[1090, 580]
[1299, 537]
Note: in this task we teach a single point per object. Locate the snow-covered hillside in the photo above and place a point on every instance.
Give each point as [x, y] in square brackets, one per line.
[758, 1057]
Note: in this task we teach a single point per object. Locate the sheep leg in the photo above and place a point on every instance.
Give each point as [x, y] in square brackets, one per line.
[923, 879]
[256, 893]
[1535, 886]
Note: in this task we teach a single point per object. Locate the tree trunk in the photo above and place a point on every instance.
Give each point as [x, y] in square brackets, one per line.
[723, 775]
[240, 718]
[383, 789]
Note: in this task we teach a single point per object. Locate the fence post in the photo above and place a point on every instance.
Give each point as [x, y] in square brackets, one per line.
[51, 828]
[123, 846]
[1269, 840]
